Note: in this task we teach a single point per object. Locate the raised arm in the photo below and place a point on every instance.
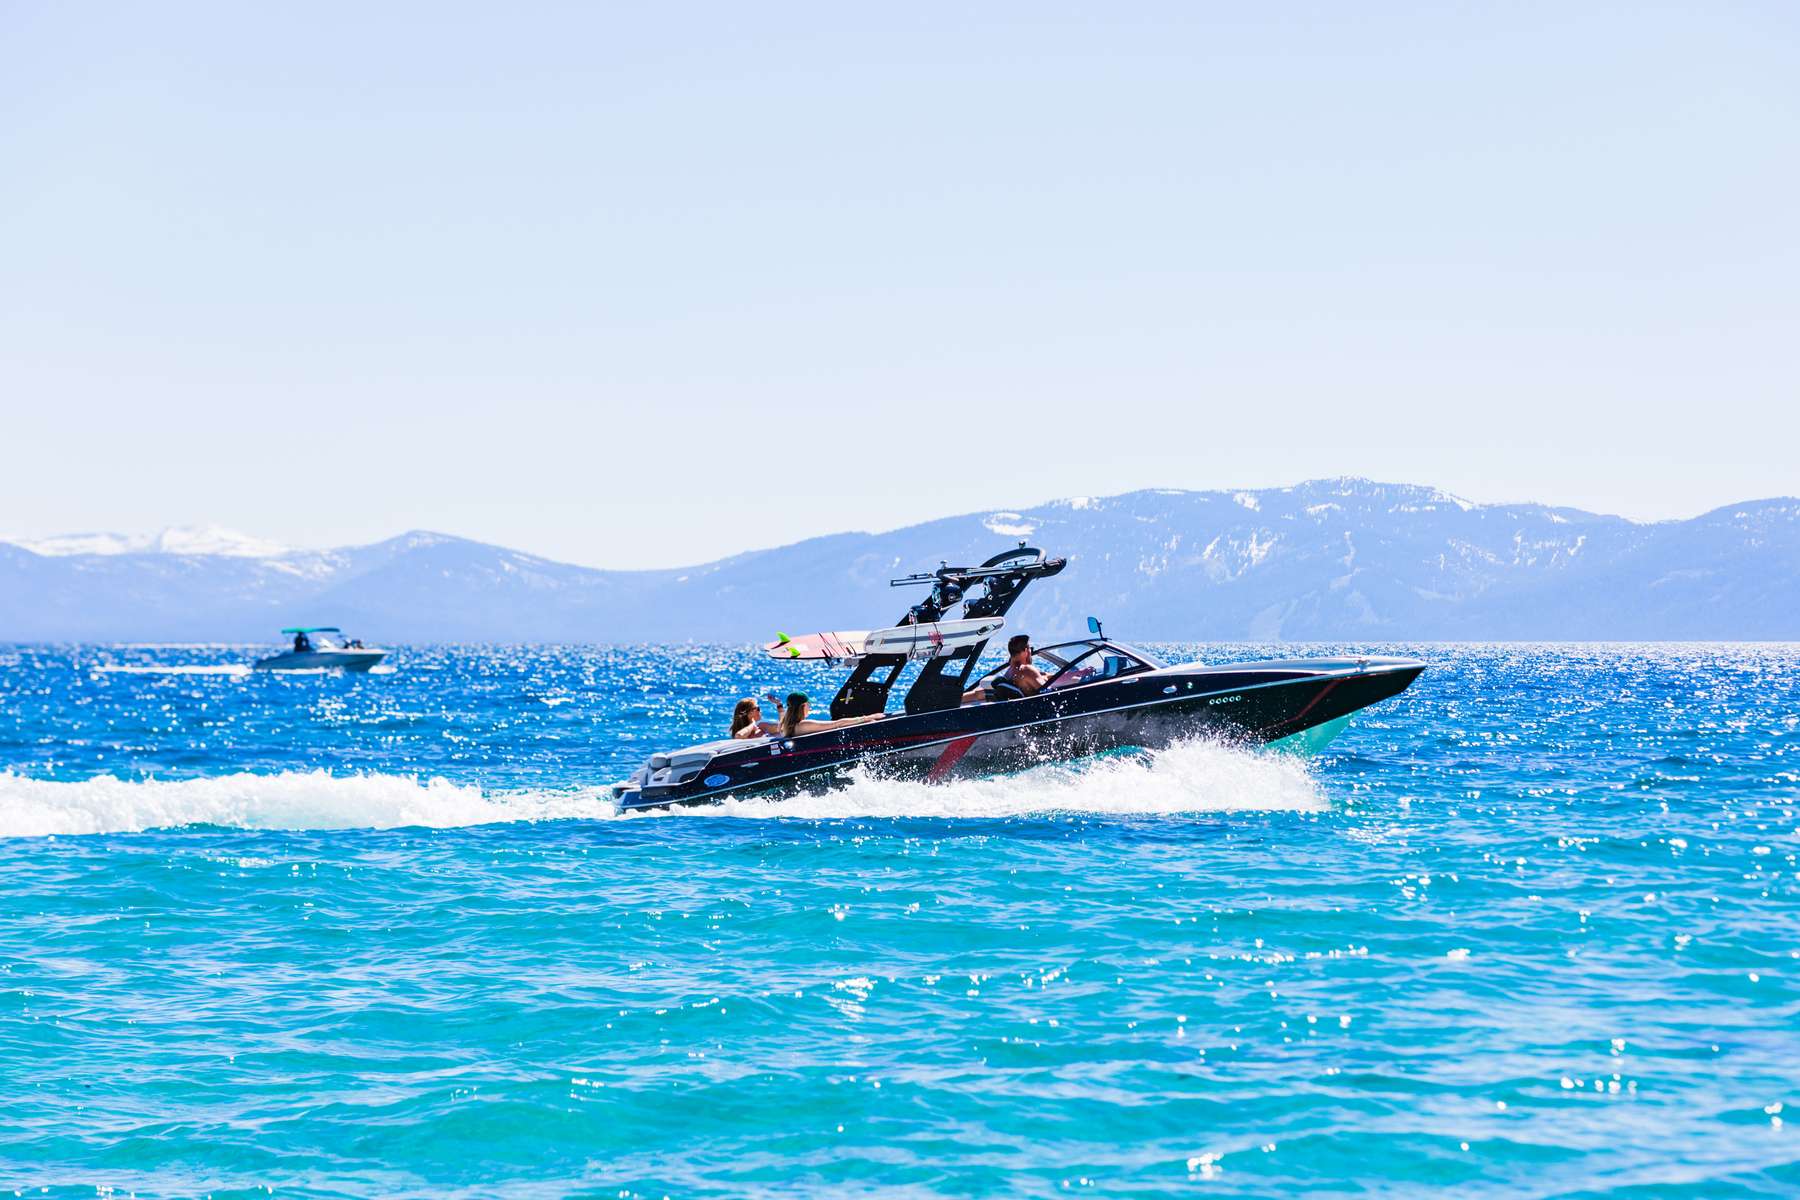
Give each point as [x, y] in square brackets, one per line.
[811, 726]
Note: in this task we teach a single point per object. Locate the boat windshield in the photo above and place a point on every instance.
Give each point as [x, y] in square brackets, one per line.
[1071, 664]
[317, 639]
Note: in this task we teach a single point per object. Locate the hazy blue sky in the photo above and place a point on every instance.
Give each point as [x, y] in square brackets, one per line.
[641, 285]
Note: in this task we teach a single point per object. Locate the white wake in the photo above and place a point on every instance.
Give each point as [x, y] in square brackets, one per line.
[231, 669]
[290, 800]
[172, 669]
[1191, 778]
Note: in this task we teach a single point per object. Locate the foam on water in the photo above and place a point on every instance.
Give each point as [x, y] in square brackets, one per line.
[1192, 777]
[1197, 777]
[172, 669]
[258, 646]
[290, 800]
[231, 669]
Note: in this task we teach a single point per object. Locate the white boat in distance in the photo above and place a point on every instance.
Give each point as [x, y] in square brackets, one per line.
[322, 648]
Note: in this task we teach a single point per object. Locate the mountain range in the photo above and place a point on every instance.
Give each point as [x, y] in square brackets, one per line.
[1329, 559]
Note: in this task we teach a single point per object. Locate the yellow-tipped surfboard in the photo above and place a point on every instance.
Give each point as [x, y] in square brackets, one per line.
[914, 641]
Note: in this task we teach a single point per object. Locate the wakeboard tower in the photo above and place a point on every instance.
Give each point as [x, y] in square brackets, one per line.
[1100, 695]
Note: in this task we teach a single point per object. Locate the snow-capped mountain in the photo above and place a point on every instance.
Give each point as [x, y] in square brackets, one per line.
[1336, 559]
[176, 539]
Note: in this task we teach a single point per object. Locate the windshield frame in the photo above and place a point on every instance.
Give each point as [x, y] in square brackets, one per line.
[1068, 655]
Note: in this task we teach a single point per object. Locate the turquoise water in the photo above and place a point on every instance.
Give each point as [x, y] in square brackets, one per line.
[1529, 929]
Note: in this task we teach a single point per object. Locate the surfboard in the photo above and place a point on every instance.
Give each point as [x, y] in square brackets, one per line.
[914, 641]
[843, 644]
[932, 639]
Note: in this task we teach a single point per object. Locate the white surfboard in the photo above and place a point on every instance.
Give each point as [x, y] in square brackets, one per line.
[914, 641]
[930, 640]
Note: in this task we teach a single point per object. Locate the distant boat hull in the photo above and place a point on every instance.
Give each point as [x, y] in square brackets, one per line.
[321, 660]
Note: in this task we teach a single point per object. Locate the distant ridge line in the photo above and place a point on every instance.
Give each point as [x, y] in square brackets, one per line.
[1343, 559]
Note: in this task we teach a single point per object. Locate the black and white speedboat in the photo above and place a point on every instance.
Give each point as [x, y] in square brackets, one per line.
[1101, 695]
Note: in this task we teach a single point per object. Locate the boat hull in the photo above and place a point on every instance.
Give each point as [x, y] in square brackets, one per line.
[321, 660]
[1248, 704]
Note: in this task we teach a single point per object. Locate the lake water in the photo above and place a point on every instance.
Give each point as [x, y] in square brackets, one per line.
[1529, 929]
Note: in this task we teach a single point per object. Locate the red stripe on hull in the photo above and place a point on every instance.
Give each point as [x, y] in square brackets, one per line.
[949, 758]
[1310, 705]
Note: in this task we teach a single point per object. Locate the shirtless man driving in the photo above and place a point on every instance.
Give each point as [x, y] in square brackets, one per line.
[1020, 677]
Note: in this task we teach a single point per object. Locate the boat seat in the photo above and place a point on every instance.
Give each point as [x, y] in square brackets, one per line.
[684, 764]
[692, 756]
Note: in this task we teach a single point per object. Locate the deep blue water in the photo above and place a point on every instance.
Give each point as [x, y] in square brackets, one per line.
[1529, 929]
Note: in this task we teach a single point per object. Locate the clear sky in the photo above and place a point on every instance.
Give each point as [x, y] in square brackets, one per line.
[638, 285]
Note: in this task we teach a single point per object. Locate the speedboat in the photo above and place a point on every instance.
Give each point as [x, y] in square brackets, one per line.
[322, 648]
[1100, 695]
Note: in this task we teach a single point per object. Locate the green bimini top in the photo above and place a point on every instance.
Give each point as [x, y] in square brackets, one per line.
[313, 629]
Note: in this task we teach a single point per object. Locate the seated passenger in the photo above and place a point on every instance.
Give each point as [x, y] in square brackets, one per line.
[794, 720]
[1020, 677]
[301, 644]
[747, 721]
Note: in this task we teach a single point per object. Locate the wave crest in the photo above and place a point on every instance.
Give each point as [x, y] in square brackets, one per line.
[291, 800]
[1191, 777]
[1197, 777]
